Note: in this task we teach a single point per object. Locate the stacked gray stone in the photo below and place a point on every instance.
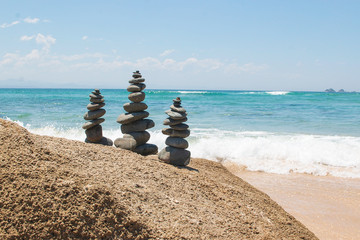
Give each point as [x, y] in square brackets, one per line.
[133, 122]
[93, 129]
[175, 153]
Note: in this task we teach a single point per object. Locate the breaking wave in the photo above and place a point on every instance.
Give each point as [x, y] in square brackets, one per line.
[255, 151]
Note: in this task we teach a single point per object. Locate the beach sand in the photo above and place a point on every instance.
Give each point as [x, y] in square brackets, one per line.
[54, 188]
[328, 206]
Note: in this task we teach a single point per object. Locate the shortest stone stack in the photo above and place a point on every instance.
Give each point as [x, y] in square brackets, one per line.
[175, 153]
[93, 129]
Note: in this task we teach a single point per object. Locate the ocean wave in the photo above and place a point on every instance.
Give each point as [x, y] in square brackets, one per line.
[255, 150]
[192, 92]
[250, 93]
[278, 93]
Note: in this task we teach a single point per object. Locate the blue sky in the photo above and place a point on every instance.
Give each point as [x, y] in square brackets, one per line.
[232, 45]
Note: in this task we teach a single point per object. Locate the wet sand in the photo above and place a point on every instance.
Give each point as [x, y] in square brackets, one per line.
[328, 206]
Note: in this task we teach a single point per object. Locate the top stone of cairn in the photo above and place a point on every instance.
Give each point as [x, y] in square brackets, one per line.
[137, 78]
[137, 74]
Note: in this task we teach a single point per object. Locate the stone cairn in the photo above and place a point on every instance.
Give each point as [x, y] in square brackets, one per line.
[133, 122]
[175, 153]
[93, 129]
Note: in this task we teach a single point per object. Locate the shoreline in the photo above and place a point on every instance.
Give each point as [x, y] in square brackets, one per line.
[328, 206]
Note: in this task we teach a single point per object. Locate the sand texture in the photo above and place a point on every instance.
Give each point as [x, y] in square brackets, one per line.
[54, 188]
[328, 206]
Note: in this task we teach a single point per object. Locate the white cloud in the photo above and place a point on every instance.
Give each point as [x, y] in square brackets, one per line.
[34, 54]
[26, 38]
[31, 20]
[39, 58]
[84, 37]
[167, 52]
[9, 58]
[6, 25]
[41, 39]
[25, 20]
[18, 60]
[47, 41]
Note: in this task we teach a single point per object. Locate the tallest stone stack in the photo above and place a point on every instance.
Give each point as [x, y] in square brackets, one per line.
[133, 122]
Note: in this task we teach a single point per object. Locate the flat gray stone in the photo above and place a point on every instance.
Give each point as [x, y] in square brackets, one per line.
[178, 109]
[146, 149]
[177, 142]
[96, 91]
[175, 115]
[181, 126]
[97, 96]
[137, 126]
[125, 143]
[175, 156]
[134, 107]
[177, 100]
[97, 100]
[136, 74]
[136, 87]
[172, 122]
[104, 141]
[176, 133]
[137, 80]
[91, 115]
[126, 118]
[136, 97]
[94, 134]
[93, 123]
[139, 137]
[94, 106]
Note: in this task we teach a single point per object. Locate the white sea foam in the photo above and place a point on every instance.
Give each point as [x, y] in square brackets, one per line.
[245, 93]
[257, 151]
[192, 92]
[277, 92]
[281, 153]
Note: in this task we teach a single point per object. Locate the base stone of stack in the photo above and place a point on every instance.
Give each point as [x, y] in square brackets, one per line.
[140, 137]
[94, 134]
[104, 141]
[137, 126]
[177, 142]
[125, 143]
[134, 107]
[146, 149]
[175, 156]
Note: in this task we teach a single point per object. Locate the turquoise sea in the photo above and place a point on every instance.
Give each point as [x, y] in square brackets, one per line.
[273, 131]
